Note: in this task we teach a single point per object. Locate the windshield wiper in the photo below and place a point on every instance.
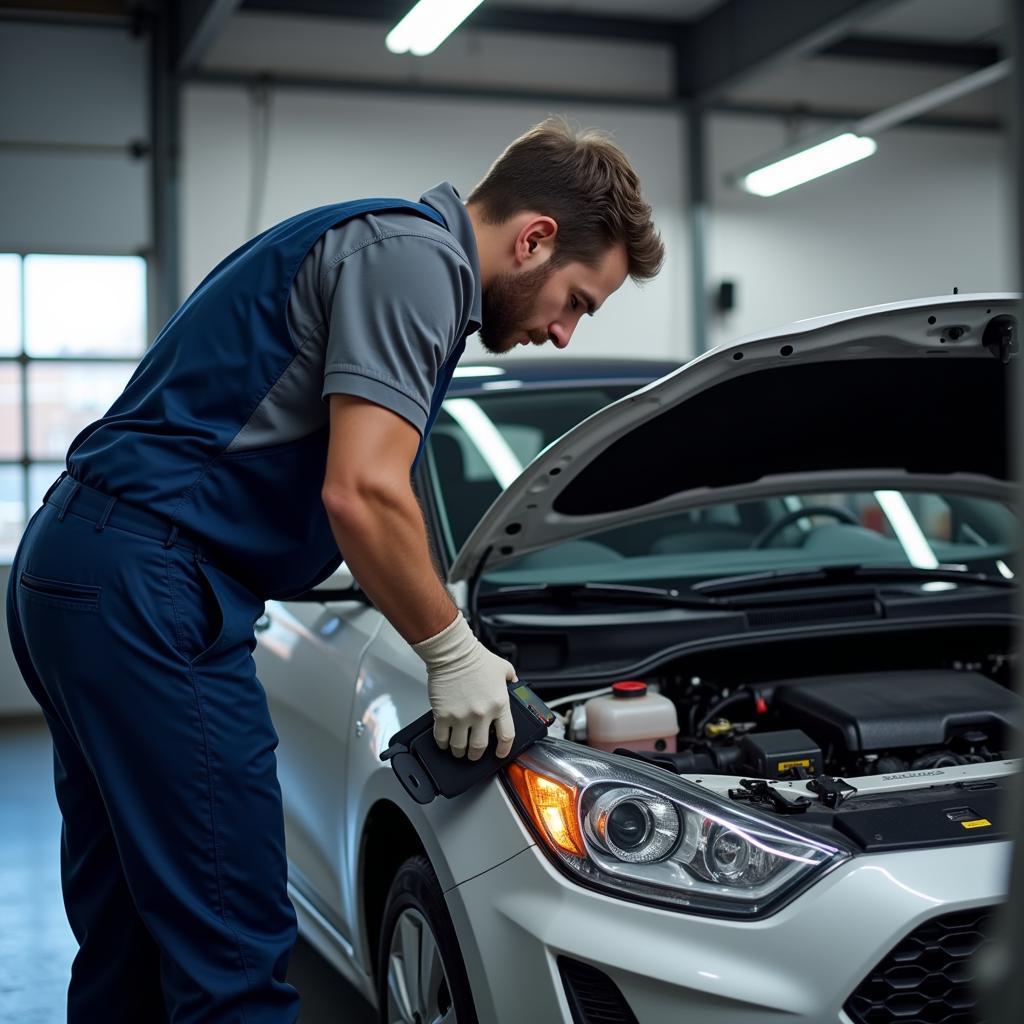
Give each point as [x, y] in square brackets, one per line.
[838, 575]
[571, 594]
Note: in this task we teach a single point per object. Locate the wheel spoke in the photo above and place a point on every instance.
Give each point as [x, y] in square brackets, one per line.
[431, 972]
[412, 932]
[398, 991]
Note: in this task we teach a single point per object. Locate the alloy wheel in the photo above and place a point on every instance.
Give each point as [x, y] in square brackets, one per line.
[418, 990]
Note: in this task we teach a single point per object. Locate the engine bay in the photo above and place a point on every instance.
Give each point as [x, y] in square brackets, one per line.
[856, 720]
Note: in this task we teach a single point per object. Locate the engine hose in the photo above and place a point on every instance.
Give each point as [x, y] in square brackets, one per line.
[738, 697]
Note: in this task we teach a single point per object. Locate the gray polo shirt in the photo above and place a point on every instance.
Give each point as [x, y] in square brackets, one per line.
[379, 303]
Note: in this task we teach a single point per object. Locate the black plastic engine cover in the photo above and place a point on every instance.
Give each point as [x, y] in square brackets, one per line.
[890, 710]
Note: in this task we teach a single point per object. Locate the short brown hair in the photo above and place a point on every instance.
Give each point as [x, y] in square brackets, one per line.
[582, 180]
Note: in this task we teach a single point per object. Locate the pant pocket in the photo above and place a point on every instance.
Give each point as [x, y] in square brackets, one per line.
[198, 619]
[213, 611]
[59, 593]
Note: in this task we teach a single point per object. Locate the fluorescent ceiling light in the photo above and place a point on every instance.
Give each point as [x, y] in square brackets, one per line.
[428, 25]
[807, 164]
[828, 152]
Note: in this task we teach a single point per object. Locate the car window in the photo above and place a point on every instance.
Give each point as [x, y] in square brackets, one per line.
[790, 531]
[480, 444]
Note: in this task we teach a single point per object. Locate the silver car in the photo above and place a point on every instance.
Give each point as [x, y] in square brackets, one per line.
[802, 544]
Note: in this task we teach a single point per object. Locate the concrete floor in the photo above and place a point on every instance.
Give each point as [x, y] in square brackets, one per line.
[36, 944]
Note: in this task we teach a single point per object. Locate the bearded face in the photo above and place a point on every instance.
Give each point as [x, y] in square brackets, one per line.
[509, 304]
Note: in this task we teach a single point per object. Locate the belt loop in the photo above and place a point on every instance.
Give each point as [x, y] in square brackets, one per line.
[171, 537]
[106, 515]
[67, 502]
[56, 483]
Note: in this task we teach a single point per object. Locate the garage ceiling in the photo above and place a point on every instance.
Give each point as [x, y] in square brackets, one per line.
[791, 57]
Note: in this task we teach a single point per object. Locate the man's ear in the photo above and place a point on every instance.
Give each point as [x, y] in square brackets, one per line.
[535, 242]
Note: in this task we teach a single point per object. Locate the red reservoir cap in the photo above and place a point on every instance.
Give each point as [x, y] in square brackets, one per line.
[629, 688]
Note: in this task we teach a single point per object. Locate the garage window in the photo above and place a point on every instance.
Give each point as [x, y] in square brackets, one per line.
[72, 329]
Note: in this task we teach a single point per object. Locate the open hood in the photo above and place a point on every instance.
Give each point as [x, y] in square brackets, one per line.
[907, 395]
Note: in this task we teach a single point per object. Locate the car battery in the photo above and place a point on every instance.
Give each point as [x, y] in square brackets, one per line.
[770, 755]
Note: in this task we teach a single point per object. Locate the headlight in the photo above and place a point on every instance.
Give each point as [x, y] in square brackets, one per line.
[636, 831]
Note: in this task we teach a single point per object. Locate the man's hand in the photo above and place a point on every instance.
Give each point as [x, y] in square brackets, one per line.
[467, 686]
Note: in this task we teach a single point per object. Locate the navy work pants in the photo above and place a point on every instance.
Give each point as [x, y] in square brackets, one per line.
[172, 857]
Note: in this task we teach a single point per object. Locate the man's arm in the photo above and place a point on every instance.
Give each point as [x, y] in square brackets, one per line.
[379, 527]
[376, 518]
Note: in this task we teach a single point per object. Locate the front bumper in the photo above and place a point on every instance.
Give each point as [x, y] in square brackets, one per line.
[800, 964]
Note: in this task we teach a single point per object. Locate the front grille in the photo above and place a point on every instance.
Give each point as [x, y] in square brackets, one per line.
[927, 978]
[593, 997]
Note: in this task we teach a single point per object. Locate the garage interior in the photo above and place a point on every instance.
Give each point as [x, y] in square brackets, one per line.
[141, 141]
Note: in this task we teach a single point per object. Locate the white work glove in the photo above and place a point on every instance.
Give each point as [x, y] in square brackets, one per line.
[467, 687]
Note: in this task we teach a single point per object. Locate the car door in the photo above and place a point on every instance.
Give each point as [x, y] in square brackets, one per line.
[308, 658]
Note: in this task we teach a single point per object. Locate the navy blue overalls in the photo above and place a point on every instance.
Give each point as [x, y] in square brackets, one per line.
[131, 607]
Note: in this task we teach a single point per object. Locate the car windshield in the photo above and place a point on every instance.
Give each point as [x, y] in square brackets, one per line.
[481, 443]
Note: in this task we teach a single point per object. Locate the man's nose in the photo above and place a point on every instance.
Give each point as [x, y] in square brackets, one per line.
[560, 334]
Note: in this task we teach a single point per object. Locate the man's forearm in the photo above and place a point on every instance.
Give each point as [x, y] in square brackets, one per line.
[383, 540]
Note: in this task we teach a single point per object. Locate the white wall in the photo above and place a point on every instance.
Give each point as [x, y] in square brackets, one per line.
[929, 211]
[327, 146]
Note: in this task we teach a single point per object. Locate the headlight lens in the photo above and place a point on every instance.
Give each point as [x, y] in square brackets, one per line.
[637, 831]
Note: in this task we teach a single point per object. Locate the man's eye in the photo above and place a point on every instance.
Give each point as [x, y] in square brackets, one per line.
[574, 302]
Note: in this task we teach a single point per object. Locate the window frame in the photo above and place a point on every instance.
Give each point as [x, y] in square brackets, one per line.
[23, 360]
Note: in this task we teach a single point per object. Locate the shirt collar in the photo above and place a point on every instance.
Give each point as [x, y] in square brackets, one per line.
[447, 201]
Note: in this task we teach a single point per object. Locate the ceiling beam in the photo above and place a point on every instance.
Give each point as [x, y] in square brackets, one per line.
[913, 51]
[197, 25]
[741, 37]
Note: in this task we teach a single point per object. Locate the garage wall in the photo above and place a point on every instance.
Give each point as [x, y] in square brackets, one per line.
[925, 214]
[323, 147]
[929, 211]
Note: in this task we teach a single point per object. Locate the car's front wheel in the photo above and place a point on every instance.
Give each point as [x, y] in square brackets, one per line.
[421, 977]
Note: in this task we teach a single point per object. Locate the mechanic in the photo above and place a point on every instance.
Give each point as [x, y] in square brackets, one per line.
[274, 423]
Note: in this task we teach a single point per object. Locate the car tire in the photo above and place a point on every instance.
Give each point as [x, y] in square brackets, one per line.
[417, 927]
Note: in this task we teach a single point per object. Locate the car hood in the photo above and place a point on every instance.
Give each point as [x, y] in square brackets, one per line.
[906, 395]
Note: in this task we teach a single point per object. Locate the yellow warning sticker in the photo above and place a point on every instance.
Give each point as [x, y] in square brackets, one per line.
[783, 765]
[977, 823]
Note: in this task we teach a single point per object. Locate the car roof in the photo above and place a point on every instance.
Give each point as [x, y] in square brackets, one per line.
[541, 372]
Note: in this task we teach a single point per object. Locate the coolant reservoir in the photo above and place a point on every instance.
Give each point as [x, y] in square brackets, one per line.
[631, 717]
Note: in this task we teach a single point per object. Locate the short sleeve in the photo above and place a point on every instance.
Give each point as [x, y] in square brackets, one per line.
[396, 306]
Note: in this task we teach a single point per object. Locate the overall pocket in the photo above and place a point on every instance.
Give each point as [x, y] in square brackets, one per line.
[60, 593]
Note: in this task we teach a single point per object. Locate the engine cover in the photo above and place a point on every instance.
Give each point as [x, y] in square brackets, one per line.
[878, 711]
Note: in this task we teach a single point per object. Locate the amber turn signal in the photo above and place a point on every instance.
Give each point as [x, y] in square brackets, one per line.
[552, 807]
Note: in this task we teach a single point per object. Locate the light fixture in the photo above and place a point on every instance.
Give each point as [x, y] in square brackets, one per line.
[828, 151]
[808, 163]
[428, 25]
